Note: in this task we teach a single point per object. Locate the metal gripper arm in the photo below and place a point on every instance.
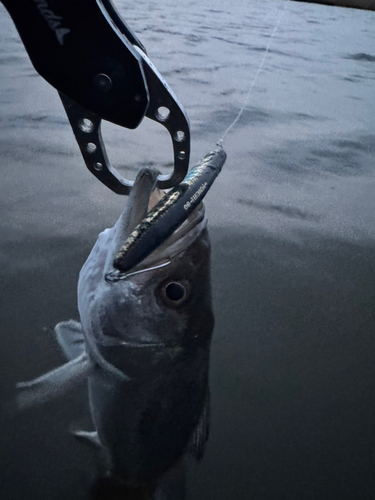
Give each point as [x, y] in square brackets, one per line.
[101, 70]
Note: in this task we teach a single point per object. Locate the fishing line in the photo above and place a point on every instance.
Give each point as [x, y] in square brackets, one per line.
[247, 99]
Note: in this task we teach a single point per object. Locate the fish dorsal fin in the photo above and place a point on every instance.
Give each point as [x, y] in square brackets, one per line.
[200, 436]
[53, 384]
[70, 337]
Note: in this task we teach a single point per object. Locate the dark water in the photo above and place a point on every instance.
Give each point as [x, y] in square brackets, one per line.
[293, 231]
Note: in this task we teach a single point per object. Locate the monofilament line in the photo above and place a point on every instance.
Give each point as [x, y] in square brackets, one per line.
[247, 100]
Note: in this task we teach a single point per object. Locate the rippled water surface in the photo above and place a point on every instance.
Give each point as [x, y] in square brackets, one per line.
[292, 225]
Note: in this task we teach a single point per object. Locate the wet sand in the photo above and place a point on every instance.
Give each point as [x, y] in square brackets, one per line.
[292, 227]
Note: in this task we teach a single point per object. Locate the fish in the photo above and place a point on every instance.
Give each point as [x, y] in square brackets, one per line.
[144, 335]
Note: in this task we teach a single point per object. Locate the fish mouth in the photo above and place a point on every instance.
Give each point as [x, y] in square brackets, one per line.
[170, 213]
[142, 200]
[180, 239]
[143, 193]
[146, 197]
[158, 229]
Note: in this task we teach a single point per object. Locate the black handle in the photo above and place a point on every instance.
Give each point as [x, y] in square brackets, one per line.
[79, 47]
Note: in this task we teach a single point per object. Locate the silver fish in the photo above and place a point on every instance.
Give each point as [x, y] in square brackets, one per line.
[143, 345]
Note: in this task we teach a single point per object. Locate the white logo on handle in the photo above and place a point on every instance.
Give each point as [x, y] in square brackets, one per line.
[54, 21]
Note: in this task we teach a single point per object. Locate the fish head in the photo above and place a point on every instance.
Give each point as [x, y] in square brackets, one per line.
[164, 303]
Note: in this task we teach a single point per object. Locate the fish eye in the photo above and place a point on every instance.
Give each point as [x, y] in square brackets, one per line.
[175, 291]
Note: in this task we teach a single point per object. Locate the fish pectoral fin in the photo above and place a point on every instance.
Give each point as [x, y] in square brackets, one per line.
[89, 437]
[70, 337]
[200, 436]
[54, 383]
